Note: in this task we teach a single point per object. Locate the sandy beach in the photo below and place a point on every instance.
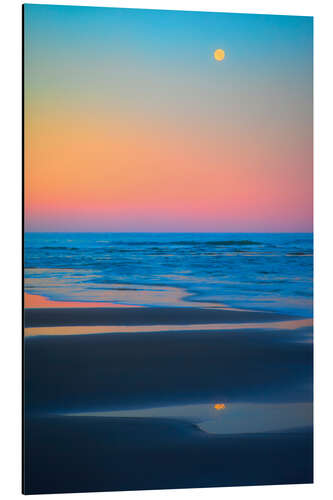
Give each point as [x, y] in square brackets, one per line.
[67, 376]
[103, 454]
[190, 369]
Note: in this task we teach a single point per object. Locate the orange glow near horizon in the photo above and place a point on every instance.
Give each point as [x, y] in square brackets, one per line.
[99, 172]
[172, 143]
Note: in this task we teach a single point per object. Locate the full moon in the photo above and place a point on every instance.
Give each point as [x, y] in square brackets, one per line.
[219, 54]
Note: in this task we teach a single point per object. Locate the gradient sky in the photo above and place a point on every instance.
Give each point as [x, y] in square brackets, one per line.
[131, 125]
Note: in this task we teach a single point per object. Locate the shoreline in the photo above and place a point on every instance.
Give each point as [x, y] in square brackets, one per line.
[97, 360]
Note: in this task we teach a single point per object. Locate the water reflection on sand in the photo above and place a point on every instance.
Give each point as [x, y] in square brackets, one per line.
[294, 324]
[225, 418]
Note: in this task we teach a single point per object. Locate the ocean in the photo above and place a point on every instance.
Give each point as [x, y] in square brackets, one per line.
[259, 271]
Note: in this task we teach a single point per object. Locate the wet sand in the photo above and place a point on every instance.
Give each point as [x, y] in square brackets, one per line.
[119, 371]
[144, 316]
[65, 373]
[105, 454]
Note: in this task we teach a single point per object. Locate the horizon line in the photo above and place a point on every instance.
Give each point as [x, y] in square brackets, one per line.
[171, 232]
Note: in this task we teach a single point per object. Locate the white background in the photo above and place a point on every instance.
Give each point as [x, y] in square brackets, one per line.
[10, 248]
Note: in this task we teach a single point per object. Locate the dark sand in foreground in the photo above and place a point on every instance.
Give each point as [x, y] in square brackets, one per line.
[111, 371]
[100, 454]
